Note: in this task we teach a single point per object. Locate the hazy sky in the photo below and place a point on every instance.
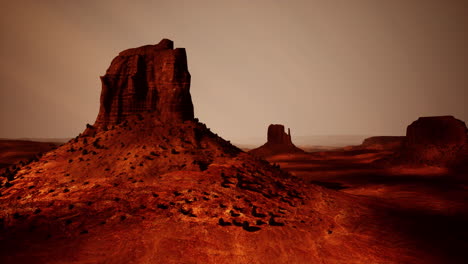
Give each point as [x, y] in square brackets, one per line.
[324, 67]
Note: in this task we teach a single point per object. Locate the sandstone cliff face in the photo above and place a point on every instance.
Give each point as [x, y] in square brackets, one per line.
[278, 142]
[436, 140]
[149, 78]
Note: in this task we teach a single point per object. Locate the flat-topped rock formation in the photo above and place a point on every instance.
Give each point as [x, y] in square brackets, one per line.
[442, 131]
[278, 143]
[151, 78]
[435, 140]
[391, 143]
[383, 142]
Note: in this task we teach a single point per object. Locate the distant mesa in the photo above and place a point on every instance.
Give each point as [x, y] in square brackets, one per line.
[441, 131]
[151, 78]
[430, 141]
[21, 151]
[435, 140]
[381, 143]
[278, 143]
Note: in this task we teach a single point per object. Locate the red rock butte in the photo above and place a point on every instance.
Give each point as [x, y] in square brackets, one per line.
[276, 135]
[437, 130]
[434, 140]
[278, 142]
[151, 78]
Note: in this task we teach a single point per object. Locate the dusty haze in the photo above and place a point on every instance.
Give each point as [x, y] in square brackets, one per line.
[320, 67]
